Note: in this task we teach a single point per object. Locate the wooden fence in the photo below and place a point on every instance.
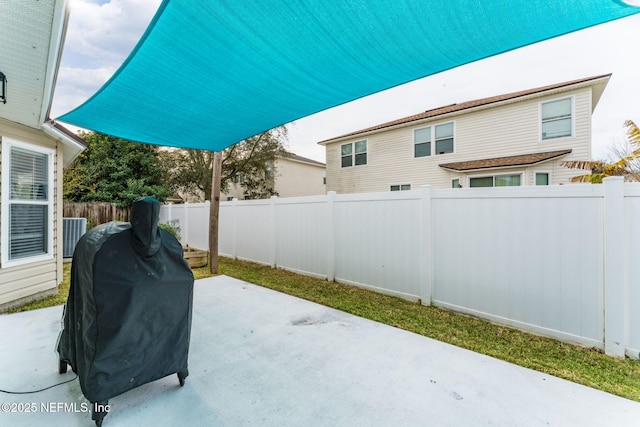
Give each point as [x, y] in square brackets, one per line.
[96, 213]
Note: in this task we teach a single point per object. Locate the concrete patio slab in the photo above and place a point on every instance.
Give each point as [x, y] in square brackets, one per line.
[262, 358]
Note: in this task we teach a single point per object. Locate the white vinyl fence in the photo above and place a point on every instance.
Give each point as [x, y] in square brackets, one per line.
[561, 261]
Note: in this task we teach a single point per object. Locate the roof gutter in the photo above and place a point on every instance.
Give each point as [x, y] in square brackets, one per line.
[71, 147]
[58, 34]
[523, 165]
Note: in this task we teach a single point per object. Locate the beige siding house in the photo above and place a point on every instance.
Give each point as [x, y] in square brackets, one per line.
[33, 150]
[293, 176]
[518, 138]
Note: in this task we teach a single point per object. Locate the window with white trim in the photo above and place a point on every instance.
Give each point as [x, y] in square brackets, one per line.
[556, 118]
[353, 153]
[441, 135]
[27, 203]
[422, 142]
[496, 181]
[400, 187]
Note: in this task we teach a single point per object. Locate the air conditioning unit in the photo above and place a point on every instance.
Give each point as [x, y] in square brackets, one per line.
[72, 230]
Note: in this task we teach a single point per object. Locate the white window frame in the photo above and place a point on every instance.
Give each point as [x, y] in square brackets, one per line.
[5, 146]
[459, 181]
[547, 172]
[573, 118]
[432, 141]
[494, 178]
[400, 187]
[354, 154]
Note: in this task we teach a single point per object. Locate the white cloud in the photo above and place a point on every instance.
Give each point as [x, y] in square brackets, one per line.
[106, 33]
[100, 36]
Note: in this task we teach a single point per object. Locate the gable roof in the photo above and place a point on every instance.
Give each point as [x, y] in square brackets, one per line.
[483, 102]
[296, 158]
[504, 162]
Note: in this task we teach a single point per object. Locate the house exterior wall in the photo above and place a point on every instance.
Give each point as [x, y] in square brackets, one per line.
[295, 178]
[20, 283]
[509, 129]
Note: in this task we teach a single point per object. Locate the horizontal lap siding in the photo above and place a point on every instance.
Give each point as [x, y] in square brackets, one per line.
[29, 279]
[22, 281]
[506, 130]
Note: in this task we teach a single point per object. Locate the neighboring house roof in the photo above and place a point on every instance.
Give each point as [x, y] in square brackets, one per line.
[31, 40]
[484, 102]
[504, 162]
[296, 158]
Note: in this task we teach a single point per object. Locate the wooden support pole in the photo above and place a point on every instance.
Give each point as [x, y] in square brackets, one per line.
[214, 211]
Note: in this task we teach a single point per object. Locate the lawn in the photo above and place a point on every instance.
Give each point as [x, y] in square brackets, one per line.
[585, 366]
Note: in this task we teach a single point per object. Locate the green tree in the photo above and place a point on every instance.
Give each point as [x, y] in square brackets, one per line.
[249, 162]
[627, 165]
[115, 170]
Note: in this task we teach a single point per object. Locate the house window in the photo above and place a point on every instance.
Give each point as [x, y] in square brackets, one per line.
[496, 181]
[441, 134]
[27, 203]
[557, 118]
[542, 178]
[455, 183]
[422, 142]
[444, 138]
[353, 153]
[400, 187]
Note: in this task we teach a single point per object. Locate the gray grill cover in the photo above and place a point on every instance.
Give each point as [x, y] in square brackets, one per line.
[127, 319]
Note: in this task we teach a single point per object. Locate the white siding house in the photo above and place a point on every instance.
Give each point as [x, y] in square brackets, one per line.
[293, 176]
[519, 138]
[33, 150]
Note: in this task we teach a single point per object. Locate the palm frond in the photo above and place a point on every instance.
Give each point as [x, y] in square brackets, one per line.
[583, 164]
[592, 178]
[633, 132]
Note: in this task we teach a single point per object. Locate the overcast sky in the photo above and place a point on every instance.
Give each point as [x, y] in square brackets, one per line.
[102, 33]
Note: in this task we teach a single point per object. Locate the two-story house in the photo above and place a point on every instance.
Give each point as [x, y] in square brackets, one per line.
[514, 139]
[291, 176]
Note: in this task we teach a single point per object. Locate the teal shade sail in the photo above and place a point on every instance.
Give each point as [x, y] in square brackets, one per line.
[208, 74]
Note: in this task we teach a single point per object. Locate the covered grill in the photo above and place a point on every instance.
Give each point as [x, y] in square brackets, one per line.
[127, 319]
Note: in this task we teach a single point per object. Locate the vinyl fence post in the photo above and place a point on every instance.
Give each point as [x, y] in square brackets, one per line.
[234, 231]
[185, 226]
[614, 275]
[426, 254]
[331, 252]
[273, 231]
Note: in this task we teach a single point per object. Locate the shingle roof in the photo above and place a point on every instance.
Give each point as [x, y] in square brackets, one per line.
[297, 158]
[502, 162]
[467, 105]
